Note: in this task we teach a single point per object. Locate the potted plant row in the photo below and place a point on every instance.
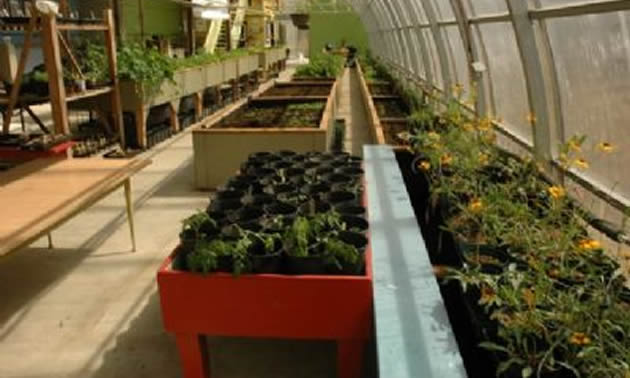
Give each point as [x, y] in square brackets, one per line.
[285, 236]
[530, 292]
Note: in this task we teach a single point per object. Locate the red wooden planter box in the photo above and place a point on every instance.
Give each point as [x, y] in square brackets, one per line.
[15, 153]
[266, 305]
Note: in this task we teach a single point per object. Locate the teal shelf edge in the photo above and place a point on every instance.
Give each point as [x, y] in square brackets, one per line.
[414, 337]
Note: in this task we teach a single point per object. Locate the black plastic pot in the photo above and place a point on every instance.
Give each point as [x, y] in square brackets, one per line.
[254, 225]
[298, 159]
[355, 239]
[248, 214]
[263, 262]
[310, 164]
[258, 200]
[225, 264]
[282, 164]
[318, 190]
[281, 208]
[293, 198]
[352, 171]
[251, 166]
[229, 194]
[295, 175]
[270, 180]
[312, 264]
[338, 178]
[280, 188]
[286, 154]
[318, 206]
[187, 241]
[337, 164]
[225, 206]
[341, 197]
[354, 210]
[241, 182]
[263, 155]
[263, 172]
[354, 223]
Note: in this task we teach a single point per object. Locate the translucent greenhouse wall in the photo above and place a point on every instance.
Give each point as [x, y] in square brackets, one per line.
[544, 69]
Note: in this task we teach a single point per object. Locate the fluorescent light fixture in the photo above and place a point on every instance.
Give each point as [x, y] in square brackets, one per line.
[214, 14]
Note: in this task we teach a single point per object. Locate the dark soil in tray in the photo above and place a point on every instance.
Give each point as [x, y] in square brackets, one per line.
[391, 108]
[295, 90]
[276, 114]
[380, 89]
[391, 130]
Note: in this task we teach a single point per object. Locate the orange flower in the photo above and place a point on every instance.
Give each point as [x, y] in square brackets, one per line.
[530, 298]
[424, 165]
[446, 159]
[488, 295]
[468, 126]
[575, 145]
[556, 192]
[485, 124]
[475, 206]
[589, 244]
[579, 338]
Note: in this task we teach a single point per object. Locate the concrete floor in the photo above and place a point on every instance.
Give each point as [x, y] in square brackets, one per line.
[90, 308]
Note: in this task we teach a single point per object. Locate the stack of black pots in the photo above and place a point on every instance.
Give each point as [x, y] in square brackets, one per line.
[272, 189]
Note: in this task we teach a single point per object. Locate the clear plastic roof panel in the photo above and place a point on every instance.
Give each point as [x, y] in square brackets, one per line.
[485, 7]
[505, 72]
[592, 61]
[435, 61]
[457, 55]
[443, 10]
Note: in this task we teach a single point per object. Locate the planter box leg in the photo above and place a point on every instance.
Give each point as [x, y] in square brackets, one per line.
[349, 358]
[193, 355]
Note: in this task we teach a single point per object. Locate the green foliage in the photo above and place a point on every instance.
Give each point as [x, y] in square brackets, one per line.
[322, 66]
[145, 66]
[298, 237]
[340, 253]
[94, 63]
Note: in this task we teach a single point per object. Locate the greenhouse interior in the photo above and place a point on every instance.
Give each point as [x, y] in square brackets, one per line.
[438, 190]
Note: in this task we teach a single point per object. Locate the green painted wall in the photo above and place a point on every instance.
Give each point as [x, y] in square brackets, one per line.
[333, 27]
[161, 17]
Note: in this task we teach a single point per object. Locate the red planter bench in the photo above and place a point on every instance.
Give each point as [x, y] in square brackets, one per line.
[266, 305]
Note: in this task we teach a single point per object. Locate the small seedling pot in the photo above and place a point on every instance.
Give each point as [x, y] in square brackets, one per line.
[353, 210]
[338, 178]
[270, 180]
[258, 200]
[318, 190]
[247, 214]
[225, 206]
[355, 239]
[229, 194]
[265, 262]
[286, 154]
[311, 264]
[263, 172]
[187, 240]
[241, 182]
[279, 188]
[336, 198]
[282, 164]
[305, 209]
[355, 223]
[351, 171]
[263, 155]
[281, 208]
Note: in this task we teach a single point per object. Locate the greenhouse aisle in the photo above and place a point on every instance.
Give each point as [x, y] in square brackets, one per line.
[351, 108]
[90, 307]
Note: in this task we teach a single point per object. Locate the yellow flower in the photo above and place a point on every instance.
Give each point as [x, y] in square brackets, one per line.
[556, 191]
[468, 126]
[475, 205]
[488, 295]
[530, 298]
[433, 136]
[424, 165]
[589, 244]
[485, 124]
[605, 147]
[531, 119]
[581, 163]
[579, 338]
[490, 137]
[483, 158]
[446, 159]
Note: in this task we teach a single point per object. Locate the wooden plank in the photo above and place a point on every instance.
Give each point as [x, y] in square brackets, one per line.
[54, 191]
[52, 59]
[15, 89]
[68, 51]
[82, 27]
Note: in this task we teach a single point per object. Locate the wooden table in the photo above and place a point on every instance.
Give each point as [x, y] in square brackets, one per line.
[39, 196]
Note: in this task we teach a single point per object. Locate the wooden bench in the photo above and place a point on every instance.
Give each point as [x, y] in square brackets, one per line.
[39, 196]
[413, 334]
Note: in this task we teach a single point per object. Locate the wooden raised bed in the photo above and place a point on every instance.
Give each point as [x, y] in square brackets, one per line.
[220, 147]
[385, 112]
[298, 89]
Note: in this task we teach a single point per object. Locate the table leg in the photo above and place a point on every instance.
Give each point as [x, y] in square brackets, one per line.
[129, 203]
[349, 358]
[193, 355]
[50, 242]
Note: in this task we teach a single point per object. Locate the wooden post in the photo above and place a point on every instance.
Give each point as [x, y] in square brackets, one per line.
[15, 89]
[198, 106]
[141, 126]
[175, 127]
[191, 32]
[129, 203]
[52, 59]
[110, 45]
